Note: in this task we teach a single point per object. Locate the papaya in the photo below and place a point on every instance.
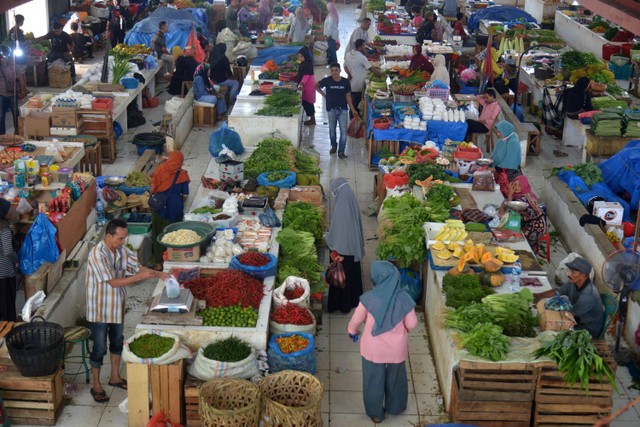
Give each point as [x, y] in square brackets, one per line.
[486, 257]
[492, 265]
[468, 245]
[492, 279]
[461, 264]
[457, 252]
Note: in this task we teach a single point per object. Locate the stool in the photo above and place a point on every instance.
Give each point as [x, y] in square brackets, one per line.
[488, 141]
[186, 87]
[533, 138]
[204, 114]
[81, 335]
[546, 239]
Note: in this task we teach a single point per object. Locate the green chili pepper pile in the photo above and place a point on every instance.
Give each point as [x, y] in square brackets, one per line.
[150, 346]
[231, 349]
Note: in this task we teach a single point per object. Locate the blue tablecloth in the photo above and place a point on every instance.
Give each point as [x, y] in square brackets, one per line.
[440, 131]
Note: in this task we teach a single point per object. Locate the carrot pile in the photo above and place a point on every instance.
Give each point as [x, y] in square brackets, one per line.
[228, 288]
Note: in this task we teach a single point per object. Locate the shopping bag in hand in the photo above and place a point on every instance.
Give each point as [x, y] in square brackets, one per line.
[335, 275]
[356, 128]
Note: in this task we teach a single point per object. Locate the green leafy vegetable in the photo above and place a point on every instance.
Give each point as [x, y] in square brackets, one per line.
[281, 103]
[485, 340]
[572, 60]
[271, 155]
[422, 171]
[467, 317]
[513, 312]
[463, 289]
[303, 216]
[298, 257]
[307, 163]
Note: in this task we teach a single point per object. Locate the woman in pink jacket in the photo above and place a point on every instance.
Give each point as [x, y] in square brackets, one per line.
[388, 316]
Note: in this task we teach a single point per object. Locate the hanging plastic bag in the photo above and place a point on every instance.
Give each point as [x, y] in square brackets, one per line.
[39, 246]
[24, 207]
[225, 136]
[356, 128]
[32, 305]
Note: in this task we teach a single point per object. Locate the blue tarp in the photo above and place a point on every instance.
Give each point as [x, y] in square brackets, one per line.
[279, 54]
[621, 172]
[180, 23]
[501, 13]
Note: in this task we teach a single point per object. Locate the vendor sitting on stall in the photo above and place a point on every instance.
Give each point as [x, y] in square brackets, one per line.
[577, 99]
[420, 62]
[61, 45]
[185, 69]
[583, 295]
[204, 91]
[490, 111]
[507, 152]
[458, 27]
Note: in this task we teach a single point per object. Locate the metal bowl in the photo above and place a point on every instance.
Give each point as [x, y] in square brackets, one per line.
[114, 181]
[516, 205]
[484, 162]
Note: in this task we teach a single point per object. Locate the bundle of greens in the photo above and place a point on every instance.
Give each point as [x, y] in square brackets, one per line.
[467, 317]
[572, 60]
[607, 123]
[588, 171]
[422, 171]
[440, 193]
[513, 312]
[281, 103]
[632, 125]
[303, 216]
[463, 289]
[602, 102]
[307, 163]
[578, 358]
[298, 258]
[485, 340]
[271, 155]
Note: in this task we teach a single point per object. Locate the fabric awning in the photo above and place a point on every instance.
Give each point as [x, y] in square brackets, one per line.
[6, 5]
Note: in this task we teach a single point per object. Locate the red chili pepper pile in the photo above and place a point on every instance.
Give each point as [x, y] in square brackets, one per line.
[228, 288]
[294, 293]
[291, 314]
[253, 259]
[292, 343]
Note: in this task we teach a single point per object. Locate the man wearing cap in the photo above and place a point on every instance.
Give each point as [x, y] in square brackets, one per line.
[584, 296]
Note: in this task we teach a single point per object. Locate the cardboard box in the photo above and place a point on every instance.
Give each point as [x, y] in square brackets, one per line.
[611, 212]
[64, 117]
[72, 227]
[183, 254]
[232, 167]
[37, 124]
[310, 194]
[551, 320]
[234, 176]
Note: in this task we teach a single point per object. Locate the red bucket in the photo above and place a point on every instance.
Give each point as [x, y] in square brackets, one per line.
[610, 49]
[626, 49]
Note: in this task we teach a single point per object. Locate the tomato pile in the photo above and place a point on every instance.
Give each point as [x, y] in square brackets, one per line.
[228, 288]
[291, 314]
[294, 293]
[253, 259]
[292, 343]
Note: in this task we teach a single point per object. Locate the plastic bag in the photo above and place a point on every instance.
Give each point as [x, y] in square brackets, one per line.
[262, 272]
[177, 352]
[52, 150]
[483, 181]
[206, 369]
[225, 137]
[290, 283]
[172, 286]
[562, 271]
[225, 152]
[303, 360]
[410, 282]
[32, 305]
[288, 182]
[356, 128]
[39, 245]
[24, 207]
[472, 112]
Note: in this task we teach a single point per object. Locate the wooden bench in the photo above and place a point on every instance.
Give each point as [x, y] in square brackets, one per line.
[533, 139]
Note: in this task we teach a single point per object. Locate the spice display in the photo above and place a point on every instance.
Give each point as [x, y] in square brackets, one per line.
[137, 179]
[234, 316]
[181, 238]
[291, 314]
[253, 259]
[578, 358]
[485, 340]
[304, 216]
[228, 288]
[150, 346]
[294, 293]
[292, 344]
[231, 349]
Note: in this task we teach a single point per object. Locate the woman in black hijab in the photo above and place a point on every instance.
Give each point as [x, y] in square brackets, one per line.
[8, 264]
[220, 70]
[577, 99]
[185, 68]
[306, 79]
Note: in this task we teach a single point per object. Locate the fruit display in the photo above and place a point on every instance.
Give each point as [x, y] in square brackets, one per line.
[472, 253]
[122, 49]
[452, 231]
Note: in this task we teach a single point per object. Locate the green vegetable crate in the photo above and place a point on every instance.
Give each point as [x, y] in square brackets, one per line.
[493, 394]
[557, 404]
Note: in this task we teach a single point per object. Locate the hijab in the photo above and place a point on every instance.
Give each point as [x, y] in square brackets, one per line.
[574, 99]
[345, 231]
[419, 62]
[440, 70]
[333, 12]
[165, 173]
[306, 67]
[507, 151]
[5, 205]
[387, 302]
[219, 52]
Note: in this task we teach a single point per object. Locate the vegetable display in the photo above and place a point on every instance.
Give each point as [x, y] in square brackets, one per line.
[513, 312]
[465, 318]
[485, 340]
[150, 346]
[307, 163]
[294, 293]
[137, 179]
[303, 216]
[577, 358]
[234, 316]
[572, 60]
[277, 176]
[588, 171]
[422, 171]
[228, 288]
[271, 154]
[463, 289]
[181, 238]
[292, 343]
[253, 259]
[291, 314]
[298, 258]
[281, 103]
[231, 349]
[206, 210]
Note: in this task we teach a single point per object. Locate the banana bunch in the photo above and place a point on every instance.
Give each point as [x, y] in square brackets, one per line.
[506, 44]
[452, 231]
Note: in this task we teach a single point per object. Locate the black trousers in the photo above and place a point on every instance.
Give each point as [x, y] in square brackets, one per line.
[474, 126]
[356, 97]
[309, 109]
[8, 287]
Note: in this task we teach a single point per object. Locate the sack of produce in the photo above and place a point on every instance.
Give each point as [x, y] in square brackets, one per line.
[225, 137]
[551, 320]
[229, 357]
[255, 264]
[292, 351]
[294, 290]
[280, 179]
[292, 318]
[154, 348]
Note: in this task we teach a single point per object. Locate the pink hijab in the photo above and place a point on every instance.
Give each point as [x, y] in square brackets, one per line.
[333, 12]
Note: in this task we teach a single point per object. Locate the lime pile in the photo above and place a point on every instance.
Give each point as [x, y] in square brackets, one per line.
[234, 316]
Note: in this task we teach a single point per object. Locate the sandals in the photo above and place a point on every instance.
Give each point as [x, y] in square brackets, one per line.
[99, 396]
[122, 384]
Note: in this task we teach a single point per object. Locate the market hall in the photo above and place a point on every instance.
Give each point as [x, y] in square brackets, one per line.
[497, 163]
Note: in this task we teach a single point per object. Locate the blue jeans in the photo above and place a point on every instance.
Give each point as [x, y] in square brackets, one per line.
[331, 51]
[220, 103]
[4, 102]
[234, 87]
[99, 333]
[338, 117]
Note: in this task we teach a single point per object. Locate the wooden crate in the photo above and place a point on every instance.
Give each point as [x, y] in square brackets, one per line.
[493, 395]
[558, 405]
[30, 400]
[192, 401]
[204, 115]
[375, 146]
[92, 160]
[605, 145]
[166, 385]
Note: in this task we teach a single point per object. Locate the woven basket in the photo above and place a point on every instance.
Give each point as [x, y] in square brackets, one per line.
[59, 77]
[229, 402]
[291, 398]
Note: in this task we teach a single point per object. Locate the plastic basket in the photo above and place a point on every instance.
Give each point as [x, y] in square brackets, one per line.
[202, 228]
[438, 93]
[35, 348]
[263, 272]
[620, 72]
[468, 90]
[102, 104]
[129, 82]
[141, 227]
[134, 190]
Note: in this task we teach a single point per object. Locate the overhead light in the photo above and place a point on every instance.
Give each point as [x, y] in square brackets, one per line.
[575, 3]
[17, 51]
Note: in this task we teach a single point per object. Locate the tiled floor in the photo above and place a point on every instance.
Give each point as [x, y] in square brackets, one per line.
[338, 357]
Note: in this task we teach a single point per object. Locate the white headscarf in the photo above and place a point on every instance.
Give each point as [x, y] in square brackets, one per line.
[440, 71]
[74, 18]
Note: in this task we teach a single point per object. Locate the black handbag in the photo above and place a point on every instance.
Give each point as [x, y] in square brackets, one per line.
[158, 201]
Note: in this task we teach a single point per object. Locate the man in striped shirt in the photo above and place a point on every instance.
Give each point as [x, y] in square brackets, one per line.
[112, 267]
